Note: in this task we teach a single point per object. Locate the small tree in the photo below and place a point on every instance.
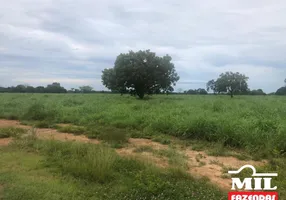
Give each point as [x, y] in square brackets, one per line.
[55, 88]
[232, 83]
[85, 89]
[281, 91]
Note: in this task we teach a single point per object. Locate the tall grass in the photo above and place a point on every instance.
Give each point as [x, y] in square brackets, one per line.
[90, 162]
[253, 123]
[7, 132]
[115, 177]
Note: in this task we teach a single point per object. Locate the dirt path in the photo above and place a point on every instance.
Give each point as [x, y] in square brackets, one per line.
[199, 163]
[5, 141]
[47, 133]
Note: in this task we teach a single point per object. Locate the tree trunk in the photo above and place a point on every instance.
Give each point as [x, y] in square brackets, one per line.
[139, 90]
[140, 95]
[231, 94]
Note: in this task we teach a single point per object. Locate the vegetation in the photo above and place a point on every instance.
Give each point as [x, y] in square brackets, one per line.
[252, 123]
[196, 91]
[249, 124]
[141, 73]
[51, 88]
[229, 82]
[34, 169]
[11, 132]
[281, 91]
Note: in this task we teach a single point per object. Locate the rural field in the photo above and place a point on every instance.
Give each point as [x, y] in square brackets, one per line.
[107, 146]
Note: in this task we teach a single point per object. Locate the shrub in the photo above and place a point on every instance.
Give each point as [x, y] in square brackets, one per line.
[38, 111]
[89, 162]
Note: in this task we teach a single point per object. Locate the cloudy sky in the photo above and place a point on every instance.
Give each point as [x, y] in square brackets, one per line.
[72, 41]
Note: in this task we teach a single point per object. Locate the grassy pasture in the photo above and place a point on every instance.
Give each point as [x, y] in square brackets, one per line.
[256, 124]
[46, 169]
[35, 169]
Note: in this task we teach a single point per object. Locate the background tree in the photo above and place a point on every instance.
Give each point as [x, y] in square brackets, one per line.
[141, 72]
[85, 89]
[257, 92]
[211, 85]
[30, 89]
[231, 83]
[20, 88]
[201, 91]
[55, 88]
[40, 89]
[281, 91]
[196, 91]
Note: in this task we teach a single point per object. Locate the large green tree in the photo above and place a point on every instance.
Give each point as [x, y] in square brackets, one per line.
[229, 82]
[141, 72]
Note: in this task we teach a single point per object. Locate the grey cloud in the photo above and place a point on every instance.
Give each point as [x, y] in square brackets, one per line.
[73, 41]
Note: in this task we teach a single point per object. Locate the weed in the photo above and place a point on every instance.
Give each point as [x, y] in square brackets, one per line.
[90, 162]
[40, 112]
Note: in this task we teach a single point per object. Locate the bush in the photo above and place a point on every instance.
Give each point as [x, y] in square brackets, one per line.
[38, 111]
[89, 162]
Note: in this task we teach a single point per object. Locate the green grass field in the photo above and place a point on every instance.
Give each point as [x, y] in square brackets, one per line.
[34, 169]
[256, 124]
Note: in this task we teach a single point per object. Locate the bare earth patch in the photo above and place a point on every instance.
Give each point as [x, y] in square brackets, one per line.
[5, 141]
[65, 125]
[9, 123]
[144, 156]
[137, 142]
[47, 133]
[199, 163]
[213, 166]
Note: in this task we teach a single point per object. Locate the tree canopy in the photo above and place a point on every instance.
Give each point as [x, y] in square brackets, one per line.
[196, 91]
[229, 82]
[85, 89]
[51, 88]
[141, 73]
[281, 91]
[257, 92]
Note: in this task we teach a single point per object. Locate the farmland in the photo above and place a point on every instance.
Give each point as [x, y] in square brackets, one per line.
[245, 127]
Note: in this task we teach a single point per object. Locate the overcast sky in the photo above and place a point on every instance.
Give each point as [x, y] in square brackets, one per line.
[72, 41]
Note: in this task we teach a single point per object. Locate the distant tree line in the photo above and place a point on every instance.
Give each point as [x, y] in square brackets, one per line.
[196, 91]
[51, 88]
